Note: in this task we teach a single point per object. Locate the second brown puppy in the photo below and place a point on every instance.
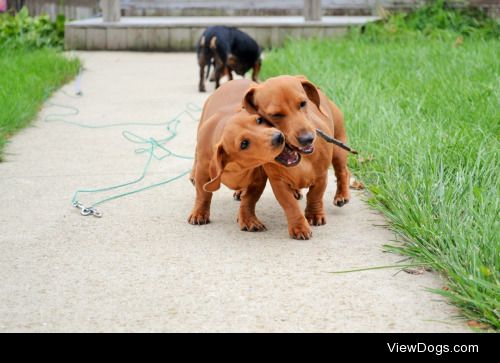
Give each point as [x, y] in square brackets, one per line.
[297, 108]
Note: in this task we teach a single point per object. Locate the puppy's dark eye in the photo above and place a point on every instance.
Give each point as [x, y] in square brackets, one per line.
[260, 120]
[244, 144]
[303, 104]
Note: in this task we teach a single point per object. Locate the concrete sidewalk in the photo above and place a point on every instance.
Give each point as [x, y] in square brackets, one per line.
[142, 267]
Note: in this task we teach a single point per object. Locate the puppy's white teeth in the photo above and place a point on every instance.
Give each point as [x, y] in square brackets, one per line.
[307, 149]
[288, 156]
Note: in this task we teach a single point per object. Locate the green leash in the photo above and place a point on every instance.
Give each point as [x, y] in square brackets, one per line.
[154, 148]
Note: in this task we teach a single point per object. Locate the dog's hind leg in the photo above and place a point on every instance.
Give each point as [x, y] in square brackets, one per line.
[339, 160]
[247, 219]
[219, 71]
[229, 73]
[202, 62]
[256, 71]
[218, 63]
[315, 213]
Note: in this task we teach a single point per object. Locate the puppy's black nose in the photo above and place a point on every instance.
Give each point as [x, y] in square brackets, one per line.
[306, 138]
[278, 139]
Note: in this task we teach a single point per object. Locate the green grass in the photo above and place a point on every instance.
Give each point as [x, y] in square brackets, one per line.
[27, 78]
[429, 114]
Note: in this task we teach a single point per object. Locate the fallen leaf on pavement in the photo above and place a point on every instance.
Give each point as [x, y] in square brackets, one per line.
[357, 185]
[415, 271]
[477, 324]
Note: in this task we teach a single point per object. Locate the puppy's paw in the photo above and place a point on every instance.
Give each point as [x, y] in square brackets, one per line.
[300, 231]
[202, 88]
[341, 199]
[250, 224]
[316, 219]
[199, 218]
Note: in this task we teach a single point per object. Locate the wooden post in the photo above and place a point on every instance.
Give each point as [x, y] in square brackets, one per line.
[15, 4]
[312, 10]
[110, 10]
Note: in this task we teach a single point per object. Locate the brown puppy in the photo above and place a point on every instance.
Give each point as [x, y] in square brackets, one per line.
[297, 108]
[232, 146]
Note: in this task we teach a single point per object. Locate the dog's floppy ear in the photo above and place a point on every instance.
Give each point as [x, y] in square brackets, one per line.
[310, 89]
[248, 101]
[217, 164]
[311, 92]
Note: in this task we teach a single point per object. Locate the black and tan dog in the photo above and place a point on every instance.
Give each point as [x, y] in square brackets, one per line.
[229, 49]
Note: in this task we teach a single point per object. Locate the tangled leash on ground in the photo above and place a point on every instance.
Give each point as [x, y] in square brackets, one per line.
[152, 147]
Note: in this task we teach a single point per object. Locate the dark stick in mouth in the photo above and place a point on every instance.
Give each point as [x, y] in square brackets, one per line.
[335, 141]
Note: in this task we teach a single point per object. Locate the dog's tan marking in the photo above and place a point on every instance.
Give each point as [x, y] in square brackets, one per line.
[232, 60]
[213, 43]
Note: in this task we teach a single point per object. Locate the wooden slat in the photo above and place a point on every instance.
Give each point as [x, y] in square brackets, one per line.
[72, 9]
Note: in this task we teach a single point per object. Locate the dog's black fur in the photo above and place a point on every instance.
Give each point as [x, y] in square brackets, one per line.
[229, 49]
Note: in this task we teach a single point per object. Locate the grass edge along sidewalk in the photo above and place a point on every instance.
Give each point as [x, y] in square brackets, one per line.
[424, 113]
[31, 67]
[27, 79]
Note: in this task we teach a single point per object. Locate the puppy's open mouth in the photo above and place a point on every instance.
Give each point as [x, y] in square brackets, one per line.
[307, 149]
[288, 157]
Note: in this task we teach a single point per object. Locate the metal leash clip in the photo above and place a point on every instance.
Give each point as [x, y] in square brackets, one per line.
[87, 211]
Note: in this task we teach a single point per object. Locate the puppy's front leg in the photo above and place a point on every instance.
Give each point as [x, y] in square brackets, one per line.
[298, 228]
[247, 219]
[315, 213]
[201, 210]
